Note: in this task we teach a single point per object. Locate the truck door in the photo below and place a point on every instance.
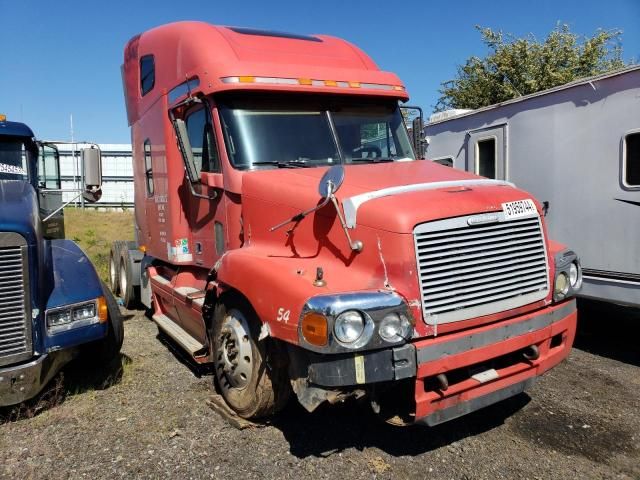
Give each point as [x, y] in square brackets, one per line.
[203, 207]
[49, 191]
[486, 152]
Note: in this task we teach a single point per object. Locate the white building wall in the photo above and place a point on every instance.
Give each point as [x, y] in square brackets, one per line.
[117, 173]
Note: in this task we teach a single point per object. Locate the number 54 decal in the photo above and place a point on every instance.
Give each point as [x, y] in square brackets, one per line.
[283, 315]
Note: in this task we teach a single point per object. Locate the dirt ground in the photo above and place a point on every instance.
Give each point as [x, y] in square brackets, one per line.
[146, 417]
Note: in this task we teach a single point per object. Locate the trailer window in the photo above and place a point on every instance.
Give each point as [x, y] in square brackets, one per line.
[148, 167]
[147, 74]
[632, 160]
[486, 157]
[203, 145]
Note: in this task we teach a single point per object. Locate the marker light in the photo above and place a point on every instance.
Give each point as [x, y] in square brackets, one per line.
[314, 329]
[310, 82]
[3, 118]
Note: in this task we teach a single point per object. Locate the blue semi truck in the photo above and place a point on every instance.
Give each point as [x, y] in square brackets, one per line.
[53, 305]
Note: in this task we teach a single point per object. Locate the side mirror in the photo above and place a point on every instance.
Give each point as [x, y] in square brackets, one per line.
[331, 181]
[92, 173]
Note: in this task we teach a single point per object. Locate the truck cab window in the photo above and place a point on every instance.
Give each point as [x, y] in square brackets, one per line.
[147, 74]
[14, 160]
[148, 167]
[632, 160]
[372, 132]
[203, 145]
[486, 157]
[294, 132]
[49, 168]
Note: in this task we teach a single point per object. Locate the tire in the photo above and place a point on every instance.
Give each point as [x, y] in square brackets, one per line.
[105, 350]
[259, 385]
[127, 289]
[114, 266]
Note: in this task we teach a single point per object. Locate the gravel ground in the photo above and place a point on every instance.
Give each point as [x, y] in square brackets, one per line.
[146, 417]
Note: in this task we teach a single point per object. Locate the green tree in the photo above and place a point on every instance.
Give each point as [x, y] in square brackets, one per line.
[520, 66]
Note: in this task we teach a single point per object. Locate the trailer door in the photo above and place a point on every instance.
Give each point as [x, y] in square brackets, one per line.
[486, 152]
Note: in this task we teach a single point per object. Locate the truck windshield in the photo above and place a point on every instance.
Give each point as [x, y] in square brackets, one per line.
[14, 159]
[295, 132]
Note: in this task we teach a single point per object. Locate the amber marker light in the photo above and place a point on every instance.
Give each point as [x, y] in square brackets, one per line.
[314, 329]
[103, 312]
[3, 118]
[143, 248]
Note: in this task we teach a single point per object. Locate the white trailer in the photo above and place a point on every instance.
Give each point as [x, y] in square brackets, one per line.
[577, 148]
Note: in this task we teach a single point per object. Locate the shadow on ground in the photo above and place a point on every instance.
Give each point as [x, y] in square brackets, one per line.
[77, 377]
[335, 428]
[609, 330]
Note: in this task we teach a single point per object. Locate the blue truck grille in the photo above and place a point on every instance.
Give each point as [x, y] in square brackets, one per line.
[15, 327]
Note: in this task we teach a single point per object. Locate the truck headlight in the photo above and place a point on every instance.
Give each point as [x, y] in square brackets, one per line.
[349, 326]
[568, 279]
[354, 321]
[77, 315]
[394, 327]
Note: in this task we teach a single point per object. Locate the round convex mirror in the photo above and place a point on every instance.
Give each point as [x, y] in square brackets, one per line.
[332, 177]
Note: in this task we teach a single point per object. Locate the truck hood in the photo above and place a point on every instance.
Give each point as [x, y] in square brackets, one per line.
[399, 211]
[19, 209]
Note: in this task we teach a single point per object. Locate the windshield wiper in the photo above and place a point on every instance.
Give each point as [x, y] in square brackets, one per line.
[300, 163]
[374, 160]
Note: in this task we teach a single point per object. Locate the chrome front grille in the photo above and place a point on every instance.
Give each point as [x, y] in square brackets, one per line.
[468, 269]
[15, 325]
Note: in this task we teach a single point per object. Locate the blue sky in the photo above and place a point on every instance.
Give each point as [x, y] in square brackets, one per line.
[62, 57]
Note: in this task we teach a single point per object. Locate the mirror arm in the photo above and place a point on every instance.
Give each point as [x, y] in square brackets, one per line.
[301, 215]
[62, 206]
[200, 195]
[355, 245]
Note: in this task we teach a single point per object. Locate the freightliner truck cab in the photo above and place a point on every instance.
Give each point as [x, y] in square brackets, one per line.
[52, 303]
[293, 240]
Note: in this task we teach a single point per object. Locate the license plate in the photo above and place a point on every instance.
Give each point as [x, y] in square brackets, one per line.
[518, 209]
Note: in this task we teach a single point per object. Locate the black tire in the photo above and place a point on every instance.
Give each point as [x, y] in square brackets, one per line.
[127, 289]
[103, 351]
[114, 266]
[267, 389]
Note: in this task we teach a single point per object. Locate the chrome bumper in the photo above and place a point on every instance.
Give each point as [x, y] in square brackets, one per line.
[22, 382]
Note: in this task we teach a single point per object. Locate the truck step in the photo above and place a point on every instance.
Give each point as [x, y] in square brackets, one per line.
[186, 341]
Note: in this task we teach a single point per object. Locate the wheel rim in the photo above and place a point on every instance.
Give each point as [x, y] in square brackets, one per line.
[234, 355]
[112, 272]
[123, 279]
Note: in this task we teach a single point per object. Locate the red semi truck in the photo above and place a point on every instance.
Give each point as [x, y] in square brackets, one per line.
[287, 234]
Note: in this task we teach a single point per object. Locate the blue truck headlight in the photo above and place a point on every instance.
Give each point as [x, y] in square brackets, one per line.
[72, 316]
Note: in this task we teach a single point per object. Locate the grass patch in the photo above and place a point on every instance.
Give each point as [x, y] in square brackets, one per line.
[95, 230]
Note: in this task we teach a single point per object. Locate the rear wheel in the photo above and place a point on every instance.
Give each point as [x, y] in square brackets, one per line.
[114, 266]
[127, 290]
[253, 379]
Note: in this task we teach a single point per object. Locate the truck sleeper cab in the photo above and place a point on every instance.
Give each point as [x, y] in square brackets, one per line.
[292, 240]
[52, 303]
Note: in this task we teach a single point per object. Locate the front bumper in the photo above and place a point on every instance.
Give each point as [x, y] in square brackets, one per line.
[459, 355]
[551, 331]
[22, 382]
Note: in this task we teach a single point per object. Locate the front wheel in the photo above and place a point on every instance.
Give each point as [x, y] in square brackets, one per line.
[105, 350]
[252, 378]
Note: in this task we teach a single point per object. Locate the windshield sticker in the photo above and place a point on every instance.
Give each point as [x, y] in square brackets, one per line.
[4, 168]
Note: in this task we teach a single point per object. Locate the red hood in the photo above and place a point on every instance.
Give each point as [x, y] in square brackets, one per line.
[397, 213]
